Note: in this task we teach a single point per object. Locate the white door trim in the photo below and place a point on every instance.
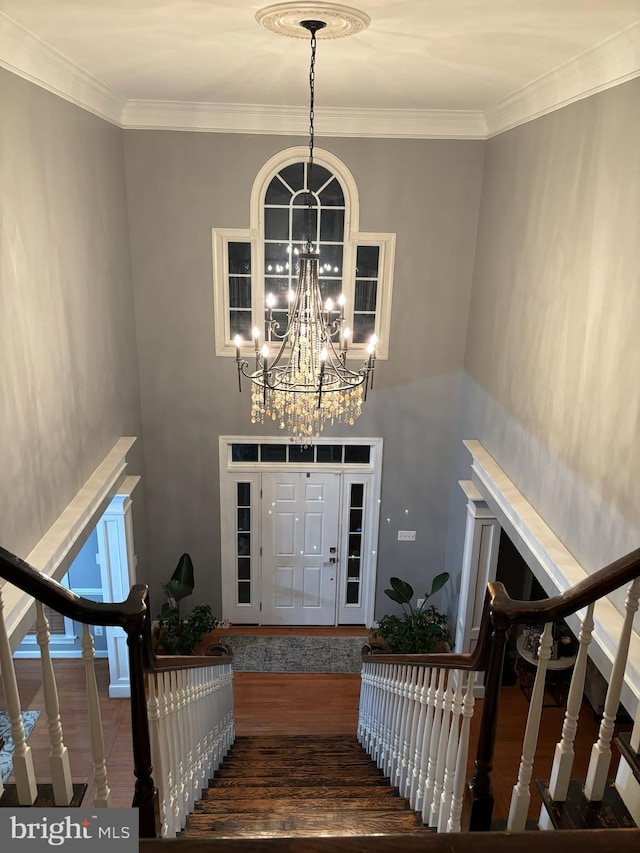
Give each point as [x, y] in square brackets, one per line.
[233, 472]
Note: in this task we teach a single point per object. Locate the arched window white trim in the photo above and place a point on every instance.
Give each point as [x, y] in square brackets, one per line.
[239, 262]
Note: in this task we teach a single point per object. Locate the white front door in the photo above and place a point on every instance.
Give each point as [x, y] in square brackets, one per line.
[300, 514]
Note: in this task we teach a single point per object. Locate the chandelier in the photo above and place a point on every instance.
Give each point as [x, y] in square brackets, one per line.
[300, 379]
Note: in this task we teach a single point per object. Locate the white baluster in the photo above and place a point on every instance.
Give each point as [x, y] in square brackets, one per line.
[165, 754]
[386, 740]
[394, 724]
[176, 738]
[173, 822]
[564, 754]
[414, 736]
[158, 764]
[421, 698]
[103, 792]
[434, 745]
[460, 782]
[601, 752]
[426, 740]
[438, 785]
[59, 754]
[452, 753]
[402, 725]
[521, 795]
[23, 771]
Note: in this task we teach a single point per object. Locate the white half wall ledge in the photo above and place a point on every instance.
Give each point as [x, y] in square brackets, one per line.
[554, 567]
[59, 546]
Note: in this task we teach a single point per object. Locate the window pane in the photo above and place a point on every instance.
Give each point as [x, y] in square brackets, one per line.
[300, 228]
[329, 453]
[367, 261]
[294, 175]
[277, 192]
[244, 568]
[244, 518]
[330, 260]
[330, 287]
[276, 224]
[240, 324]
[353, 590]
[239, 292]
[244, 493]
[279, 287]
[357, 493]
[353, 567]
[355, 521]
[355, 543]
[273, 452]
[364, 325]
[244, 453]
[298, 453]
[365, 296]
[239, 255]
[244, 544]
[332, 225]
[356, 453]
[276, 257]
[244, 592]
[319, 177]
[332, 194]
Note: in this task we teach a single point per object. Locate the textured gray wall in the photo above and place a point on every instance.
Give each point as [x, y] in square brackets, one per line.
[68, 362]
[553, 354]
[179, 186]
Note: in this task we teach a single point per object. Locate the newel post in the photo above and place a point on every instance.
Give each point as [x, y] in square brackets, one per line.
[481, 794]
[145, 797]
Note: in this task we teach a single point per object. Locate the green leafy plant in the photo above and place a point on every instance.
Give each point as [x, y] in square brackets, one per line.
[420, 629]
[175, 635]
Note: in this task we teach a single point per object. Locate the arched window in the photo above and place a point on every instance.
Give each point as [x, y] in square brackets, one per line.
[249, 264]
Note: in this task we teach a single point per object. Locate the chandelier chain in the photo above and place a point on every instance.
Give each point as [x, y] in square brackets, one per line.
[312, 94]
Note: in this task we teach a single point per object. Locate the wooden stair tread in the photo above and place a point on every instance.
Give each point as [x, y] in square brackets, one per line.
[282, 804]
[270, 781]
[297, 792]
[336, 823]
[579, 813]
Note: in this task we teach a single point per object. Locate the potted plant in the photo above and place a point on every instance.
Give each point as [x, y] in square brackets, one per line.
[421, 629]
[173, 634]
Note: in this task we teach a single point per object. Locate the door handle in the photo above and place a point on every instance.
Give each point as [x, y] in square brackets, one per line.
[333, 559]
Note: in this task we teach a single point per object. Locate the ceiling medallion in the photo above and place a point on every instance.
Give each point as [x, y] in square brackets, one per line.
[339, 21]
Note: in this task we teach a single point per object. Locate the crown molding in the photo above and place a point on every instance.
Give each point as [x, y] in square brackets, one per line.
[29, 57]
[294, 121]
[604, 66]
[608, 64]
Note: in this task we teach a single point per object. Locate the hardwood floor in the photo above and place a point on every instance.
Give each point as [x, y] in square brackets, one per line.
[278, 704]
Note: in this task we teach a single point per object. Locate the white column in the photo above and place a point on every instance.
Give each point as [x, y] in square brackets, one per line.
[479, 561]
[116, 556]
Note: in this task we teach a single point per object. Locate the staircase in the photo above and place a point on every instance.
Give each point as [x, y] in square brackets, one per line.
[300, 787]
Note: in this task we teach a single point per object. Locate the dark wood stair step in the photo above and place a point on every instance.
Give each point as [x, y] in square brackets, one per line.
[579, 813]
[292, 793]
[329, 823]
[299, 772]
[255, 804]
[302, 781]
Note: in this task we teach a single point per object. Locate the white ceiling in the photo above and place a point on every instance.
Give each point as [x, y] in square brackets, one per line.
[472, 56]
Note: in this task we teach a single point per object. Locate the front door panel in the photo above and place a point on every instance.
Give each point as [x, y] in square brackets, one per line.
[300, 529]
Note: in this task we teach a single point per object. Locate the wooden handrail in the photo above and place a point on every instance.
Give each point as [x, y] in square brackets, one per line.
[47, 590]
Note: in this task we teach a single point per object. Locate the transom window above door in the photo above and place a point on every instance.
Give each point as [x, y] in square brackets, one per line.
[251, 264]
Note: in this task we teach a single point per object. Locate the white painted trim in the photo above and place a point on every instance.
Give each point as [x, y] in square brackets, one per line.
[604, 66]
[554, 567]
[57, 549]
[220, 238]
[294, 121]
[608, 64]
[29, 57]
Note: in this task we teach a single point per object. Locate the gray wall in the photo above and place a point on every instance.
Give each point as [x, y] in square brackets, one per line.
[180, 186]
[68, 363]
[553, 356]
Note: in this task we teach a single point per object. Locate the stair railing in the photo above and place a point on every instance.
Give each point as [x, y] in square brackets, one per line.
[415, 724]
[186, 703]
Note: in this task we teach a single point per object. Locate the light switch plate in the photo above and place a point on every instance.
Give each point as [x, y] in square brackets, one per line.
[406, 536]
